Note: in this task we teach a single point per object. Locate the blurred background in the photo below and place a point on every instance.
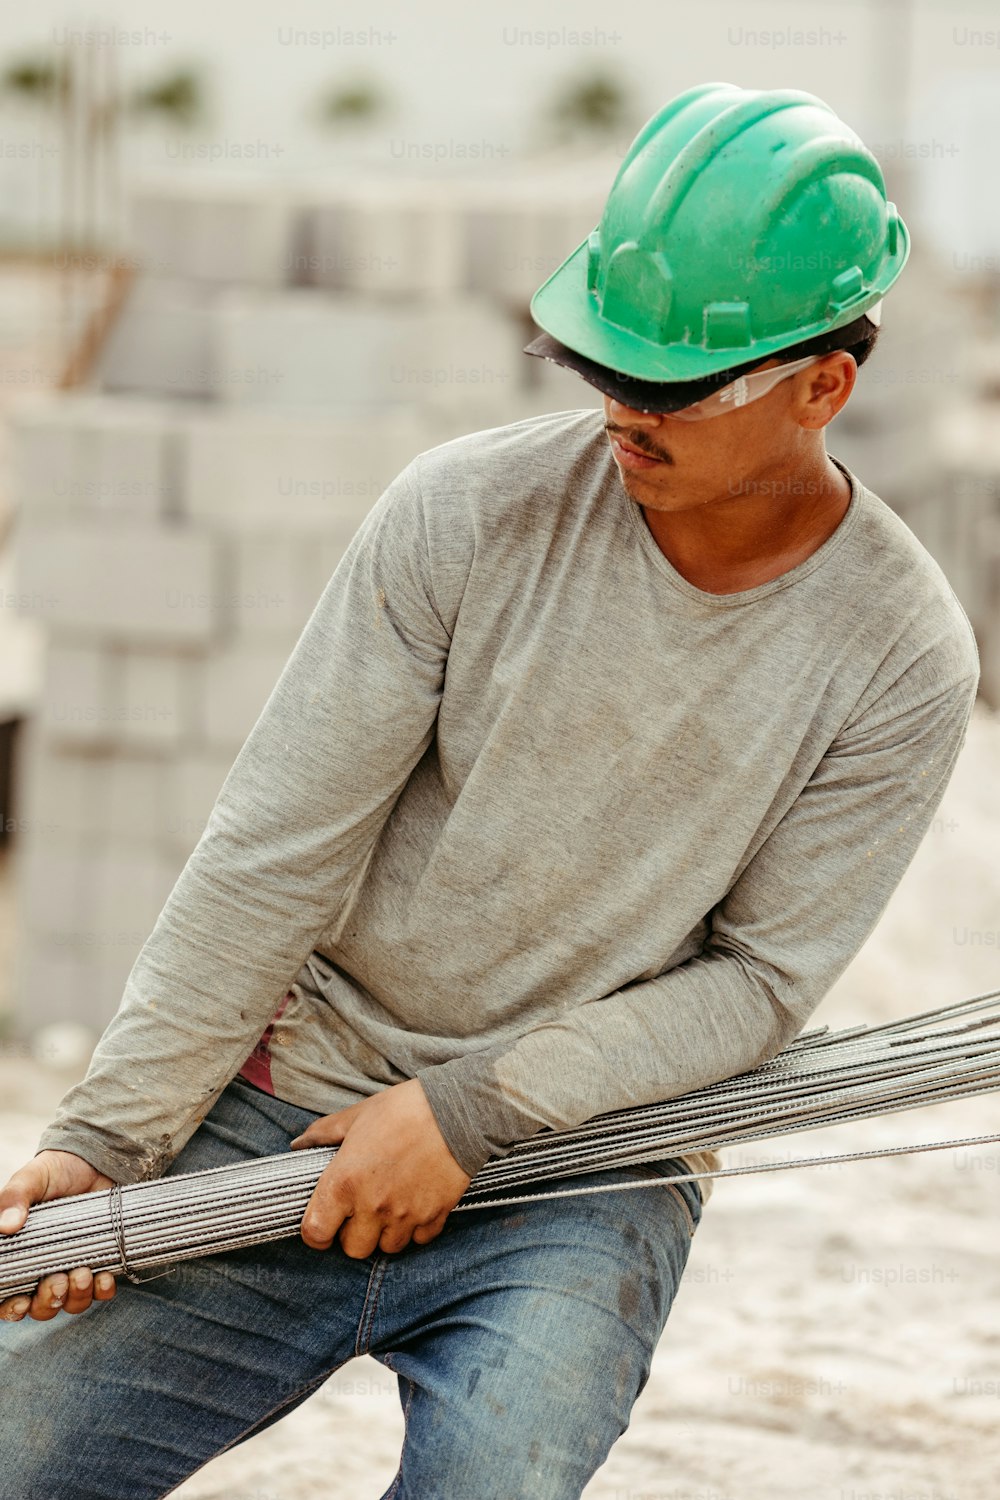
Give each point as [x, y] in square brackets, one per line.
[252, 259]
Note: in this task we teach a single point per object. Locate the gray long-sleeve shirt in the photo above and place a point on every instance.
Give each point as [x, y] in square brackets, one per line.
[532, 818]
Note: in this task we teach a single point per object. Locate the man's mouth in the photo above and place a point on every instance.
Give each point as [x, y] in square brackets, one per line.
[631, 457]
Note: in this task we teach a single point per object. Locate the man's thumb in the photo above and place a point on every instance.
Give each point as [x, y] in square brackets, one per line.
[23, 1189]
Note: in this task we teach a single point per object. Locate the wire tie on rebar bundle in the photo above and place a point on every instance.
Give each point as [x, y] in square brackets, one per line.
[116, 1208]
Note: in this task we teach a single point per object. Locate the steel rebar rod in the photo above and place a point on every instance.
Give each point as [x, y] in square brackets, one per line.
[822, 1078]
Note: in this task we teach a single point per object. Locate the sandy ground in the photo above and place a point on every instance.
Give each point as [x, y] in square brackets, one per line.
[837, 1335]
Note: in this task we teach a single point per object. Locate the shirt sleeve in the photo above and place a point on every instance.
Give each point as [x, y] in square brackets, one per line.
[284, 850]
[793, 919]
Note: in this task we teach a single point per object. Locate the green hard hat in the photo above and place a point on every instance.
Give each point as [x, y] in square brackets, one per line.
[741, 222]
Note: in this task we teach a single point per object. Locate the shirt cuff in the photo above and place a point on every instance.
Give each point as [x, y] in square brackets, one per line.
[122, 1164]
[477, 1121]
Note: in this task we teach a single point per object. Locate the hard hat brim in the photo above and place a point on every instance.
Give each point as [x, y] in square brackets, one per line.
[672, 395]
[639, 395]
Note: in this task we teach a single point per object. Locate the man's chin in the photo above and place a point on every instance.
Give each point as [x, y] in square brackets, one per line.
[640, 488]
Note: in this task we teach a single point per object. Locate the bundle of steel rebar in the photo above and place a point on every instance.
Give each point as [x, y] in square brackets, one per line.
[822, 1078]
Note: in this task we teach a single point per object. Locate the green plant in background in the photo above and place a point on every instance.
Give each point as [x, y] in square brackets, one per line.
[178, 97]
[34, 80]
[361, 101]
[596, 107]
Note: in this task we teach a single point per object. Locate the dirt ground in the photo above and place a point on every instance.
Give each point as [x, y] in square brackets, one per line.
[837, 1335]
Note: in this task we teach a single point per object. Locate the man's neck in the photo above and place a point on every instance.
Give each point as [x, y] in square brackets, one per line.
[725, 549]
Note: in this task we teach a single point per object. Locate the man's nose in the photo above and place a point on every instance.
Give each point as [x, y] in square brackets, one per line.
[627, 416]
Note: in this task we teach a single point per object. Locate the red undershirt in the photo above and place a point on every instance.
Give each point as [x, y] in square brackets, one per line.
[257, 1068]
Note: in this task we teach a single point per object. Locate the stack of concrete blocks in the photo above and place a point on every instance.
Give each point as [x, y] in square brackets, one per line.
[379, 294]
[278, 362]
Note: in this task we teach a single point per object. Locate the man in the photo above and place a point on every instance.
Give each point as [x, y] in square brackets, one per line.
[597, 762]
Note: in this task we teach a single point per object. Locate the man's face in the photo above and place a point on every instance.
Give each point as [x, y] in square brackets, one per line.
[672, 465]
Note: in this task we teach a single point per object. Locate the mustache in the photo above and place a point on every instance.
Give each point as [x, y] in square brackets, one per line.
[639, 440]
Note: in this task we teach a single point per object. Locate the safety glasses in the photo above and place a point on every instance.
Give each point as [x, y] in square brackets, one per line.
[741, 391]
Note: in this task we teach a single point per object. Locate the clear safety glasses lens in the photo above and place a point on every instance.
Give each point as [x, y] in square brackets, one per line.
[741, 392]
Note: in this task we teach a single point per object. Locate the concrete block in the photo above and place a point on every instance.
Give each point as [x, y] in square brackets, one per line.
[137, 807]
[44, 457]
[92, 456]
[249, 472]
[510, 248]
[318, 255]
[151, 701]
[125, 454]
[516, 234]
[300, 349]
[213, 231]
[270, 597]
[54, 893]
[164, 340]
[194, 781]
[238, 682]
[395, 237]
[130, 887]
[58, 791]
[79, 705]
[55, 984]
[97, 699]
[141, 584]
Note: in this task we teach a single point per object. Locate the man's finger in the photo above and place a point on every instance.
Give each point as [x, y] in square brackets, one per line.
[361, 1237]
[328, 1131]
[395, 1237]
[44, 1304]
[12, 1218]
[81, 1290]
[425, 1232]
[49, 1297]
[14, 1308]
[105, 1287]
[325, 1212]
[24, 1188]
[85, 1288]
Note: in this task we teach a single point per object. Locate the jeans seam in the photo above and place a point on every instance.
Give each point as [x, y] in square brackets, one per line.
[362, 1343]
[394, 1487]
[684, 1208]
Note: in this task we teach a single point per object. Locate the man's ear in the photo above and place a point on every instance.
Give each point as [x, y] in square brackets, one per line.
[824, 389]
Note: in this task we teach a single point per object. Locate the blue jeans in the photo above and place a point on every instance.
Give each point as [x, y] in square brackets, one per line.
[520, 1338]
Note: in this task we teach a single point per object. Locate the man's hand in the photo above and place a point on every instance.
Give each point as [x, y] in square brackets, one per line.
[392, 1180]
[52, 1174]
